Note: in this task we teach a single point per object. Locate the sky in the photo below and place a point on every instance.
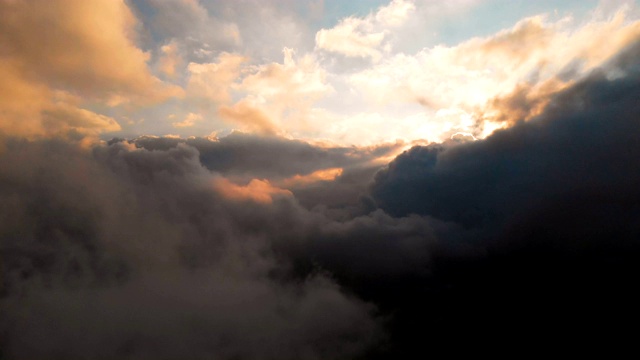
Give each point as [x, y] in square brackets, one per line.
[204, 179]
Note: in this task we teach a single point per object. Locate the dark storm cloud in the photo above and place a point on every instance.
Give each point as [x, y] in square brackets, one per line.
[551, 208]
[584, 146]
[585, 140]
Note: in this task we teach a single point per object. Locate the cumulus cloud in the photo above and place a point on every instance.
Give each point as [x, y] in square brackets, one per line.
[210, 83]
[74, 47]
[345, 39]
[250, 117]
[170, 59]
[74, 52]
[287, 91]
[395, 13]
[293, 81]
[539, 54]
[188, 121]
[363, 37]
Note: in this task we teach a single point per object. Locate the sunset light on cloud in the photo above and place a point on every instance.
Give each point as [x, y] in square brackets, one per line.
[146, 60]
[314, 179]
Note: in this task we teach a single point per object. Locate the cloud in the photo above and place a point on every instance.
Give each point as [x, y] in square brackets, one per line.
[249, 116]
[363, 37]
[64, 116]
[254, 245]
[189, 121]
[371, 127]
[86, 48]
[319, 175]
[346, 40]
[538, 205]
[395, 13]
[282, 93]
[294, 81]
[248, 156]
[542, 55]
[551, 156]
[204, 29]
[260, 191]
[119, 251]
[170, 59]
[20, 100]
[566, 165]
[190, 24]
[169, 246]
[212, 82]
[72, 47]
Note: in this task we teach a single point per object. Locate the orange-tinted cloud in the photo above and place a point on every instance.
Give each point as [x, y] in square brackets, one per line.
[75, 46]
[294, 83]
[515, 44]
[20, 101]
[249, 117]
[319, 175]
[260, 191]
[504, 77]
[209, 83]
[188, 121]
[279, 96]
[83, 45]
[62, 116]
[526, 101]
[170, 59]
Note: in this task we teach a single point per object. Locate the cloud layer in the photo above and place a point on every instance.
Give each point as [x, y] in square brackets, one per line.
[84, 53]
[124, 252]
[514, 218]
[159, 247]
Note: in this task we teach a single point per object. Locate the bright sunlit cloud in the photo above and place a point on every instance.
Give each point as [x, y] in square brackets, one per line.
[376, 75]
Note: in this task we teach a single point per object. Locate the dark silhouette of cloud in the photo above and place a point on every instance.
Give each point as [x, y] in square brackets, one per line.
[551, 212]
[584, 145]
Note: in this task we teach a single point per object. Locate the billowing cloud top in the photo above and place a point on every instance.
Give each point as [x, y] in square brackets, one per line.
[190, 179]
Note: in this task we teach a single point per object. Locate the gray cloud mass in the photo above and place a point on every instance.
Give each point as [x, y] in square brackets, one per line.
[121, 253]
